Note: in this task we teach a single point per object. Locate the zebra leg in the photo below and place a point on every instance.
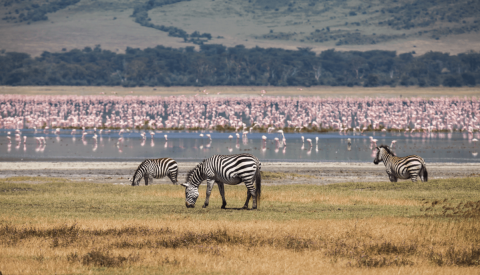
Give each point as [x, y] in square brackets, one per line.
[414, 177]
[392, 178]
[146, 178]
[221, 188]
[248, 199]
[250, 193]
[210, 183]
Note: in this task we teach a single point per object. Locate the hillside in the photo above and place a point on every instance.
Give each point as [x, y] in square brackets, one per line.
[34, 26]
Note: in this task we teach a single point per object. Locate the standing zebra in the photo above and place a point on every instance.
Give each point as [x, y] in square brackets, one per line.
[156, 168]
[228, 169]
[409, 167]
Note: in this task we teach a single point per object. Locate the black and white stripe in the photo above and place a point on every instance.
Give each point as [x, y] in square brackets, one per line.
[225, 169]
[409, 167]
[156, 168]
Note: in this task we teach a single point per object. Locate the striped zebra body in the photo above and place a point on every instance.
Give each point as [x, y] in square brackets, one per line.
[409, 167]
[156, 168]
[225, 169]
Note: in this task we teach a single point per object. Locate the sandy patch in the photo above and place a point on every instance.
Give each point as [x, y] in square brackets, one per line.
[318, 172]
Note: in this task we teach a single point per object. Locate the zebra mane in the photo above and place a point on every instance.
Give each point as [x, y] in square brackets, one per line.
[389, 151]
[190, 173]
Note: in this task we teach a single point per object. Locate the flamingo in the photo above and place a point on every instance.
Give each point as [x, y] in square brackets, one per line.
[393, 143]
[310, 142]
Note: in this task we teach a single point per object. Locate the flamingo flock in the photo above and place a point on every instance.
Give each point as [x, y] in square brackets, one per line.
[242, 114]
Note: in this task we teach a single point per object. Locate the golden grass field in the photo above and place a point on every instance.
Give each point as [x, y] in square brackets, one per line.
[321, 91]
[58, 226]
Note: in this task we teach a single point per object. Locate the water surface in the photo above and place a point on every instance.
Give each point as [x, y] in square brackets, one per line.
[190, 146]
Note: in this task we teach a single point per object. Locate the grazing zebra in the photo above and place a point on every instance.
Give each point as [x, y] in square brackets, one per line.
[228, 169]
[409, 167]
[156, 168]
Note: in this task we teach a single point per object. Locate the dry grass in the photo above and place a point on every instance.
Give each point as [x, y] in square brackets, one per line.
[57, 226]
[268, 247]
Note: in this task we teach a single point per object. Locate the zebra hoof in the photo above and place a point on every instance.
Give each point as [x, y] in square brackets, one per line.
[205, 206]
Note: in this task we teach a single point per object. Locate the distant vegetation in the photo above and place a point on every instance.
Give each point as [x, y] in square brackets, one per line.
[347, 22]
[140, 13]
[392, 18]
[35, 12]
[219, 65]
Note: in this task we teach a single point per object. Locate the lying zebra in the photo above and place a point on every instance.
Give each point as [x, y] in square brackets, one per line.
[156, 168]
[409, 167]
[229, 169]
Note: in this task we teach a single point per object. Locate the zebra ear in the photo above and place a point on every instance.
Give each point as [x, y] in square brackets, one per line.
[184, 184]
[377, 148]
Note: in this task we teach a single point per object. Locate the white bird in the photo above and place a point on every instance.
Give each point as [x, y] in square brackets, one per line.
[316, 140]
[165, 137]
[303, 139]
[238, 136]
[230, 136]
[264, 138]
[349, 141]
[393, 143]
[310, 142]
[201, 135]
[209, 136]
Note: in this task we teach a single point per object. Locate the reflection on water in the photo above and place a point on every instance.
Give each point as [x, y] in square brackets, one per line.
[197, 145]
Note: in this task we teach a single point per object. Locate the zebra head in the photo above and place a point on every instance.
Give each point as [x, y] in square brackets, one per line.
[191, 194]
[377, 157]
[136, 178]
[382, 151]
[193, 180]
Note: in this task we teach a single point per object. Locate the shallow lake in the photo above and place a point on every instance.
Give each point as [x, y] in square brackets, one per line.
[190, 146]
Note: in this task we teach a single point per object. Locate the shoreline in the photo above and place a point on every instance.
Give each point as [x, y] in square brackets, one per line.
[319, 173]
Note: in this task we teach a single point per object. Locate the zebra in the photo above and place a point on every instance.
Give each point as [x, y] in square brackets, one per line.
[225, 169]
[409, 167]
[156, 168]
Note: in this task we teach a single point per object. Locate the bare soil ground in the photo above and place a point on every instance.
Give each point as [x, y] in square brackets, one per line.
[319, 173]
[321, 91]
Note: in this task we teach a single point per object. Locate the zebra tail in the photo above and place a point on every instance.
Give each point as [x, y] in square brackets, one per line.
[425, 174]
[258, 186]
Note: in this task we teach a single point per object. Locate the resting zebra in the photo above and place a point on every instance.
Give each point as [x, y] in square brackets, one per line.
[228, 169]
[409, 167]
[156, 168]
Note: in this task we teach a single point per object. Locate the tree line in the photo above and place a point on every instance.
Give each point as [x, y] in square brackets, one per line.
[215, 64]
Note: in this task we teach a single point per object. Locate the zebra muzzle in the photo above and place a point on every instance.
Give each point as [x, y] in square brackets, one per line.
[190, 205]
